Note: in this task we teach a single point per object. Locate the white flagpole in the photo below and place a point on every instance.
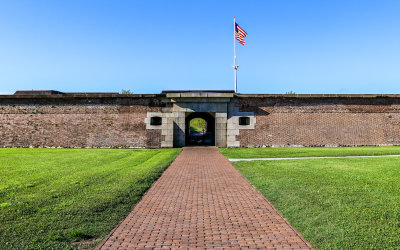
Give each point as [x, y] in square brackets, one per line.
[235, 67]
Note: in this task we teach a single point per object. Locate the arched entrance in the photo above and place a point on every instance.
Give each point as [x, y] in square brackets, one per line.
[200, 129]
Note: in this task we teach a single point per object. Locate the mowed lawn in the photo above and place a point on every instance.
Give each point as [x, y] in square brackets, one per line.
[307, 151]
[349, 203]
[68, 198]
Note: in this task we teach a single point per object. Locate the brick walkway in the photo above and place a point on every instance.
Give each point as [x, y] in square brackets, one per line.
[202, 201]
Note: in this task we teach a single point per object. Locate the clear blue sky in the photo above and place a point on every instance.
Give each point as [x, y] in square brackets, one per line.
[307, 46]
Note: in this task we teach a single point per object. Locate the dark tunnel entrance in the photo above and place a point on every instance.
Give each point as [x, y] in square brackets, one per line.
[200, 129]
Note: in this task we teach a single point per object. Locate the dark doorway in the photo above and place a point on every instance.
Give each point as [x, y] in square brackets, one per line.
[200, 129]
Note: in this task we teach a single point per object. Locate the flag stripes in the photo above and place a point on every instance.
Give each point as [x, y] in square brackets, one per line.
[240, 34]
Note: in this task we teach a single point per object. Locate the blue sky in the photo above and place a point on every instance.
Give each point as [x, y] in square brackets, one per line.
[307, 46]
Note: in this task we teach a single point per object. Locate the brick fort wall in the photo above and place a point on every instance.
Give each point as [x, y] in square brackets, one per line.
[321, 121]
[77, 121]
[118, 121]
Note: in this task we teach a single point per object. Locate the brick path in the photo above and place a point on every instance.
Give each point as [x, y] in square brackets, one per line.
[202, 201]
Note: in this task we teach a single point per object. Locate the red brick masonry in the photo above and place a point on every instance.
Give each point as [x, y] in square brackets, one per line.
[202, 201]
[80, 120]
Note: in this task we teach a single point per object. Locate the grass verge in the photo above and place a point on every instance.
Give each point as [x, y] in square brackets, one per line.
[56, 198]
[307, 151]
[335, 203]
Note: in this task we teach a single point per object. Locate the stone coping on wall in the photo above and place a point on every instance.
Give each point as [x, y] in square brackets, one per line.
[82, 95]
[200, 95]
[192, 95]
[318, 95]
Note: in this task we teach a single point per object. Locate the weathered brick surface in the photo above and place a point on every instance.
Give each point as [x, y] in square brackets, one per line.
[202, 201]
[321, 121]
[80, 120]
[78, 123]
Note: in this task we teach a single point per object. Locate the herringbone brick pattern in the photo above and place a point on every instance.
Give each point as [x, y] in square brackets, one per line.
[202, 201]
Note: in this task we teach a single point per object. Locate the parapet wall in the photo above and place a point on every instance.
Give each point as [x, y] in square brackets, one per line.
[316, 120]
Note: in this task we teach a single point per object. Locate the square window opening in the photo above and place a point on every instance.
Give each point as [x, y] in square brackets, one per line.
[243, 121]
[155, 121]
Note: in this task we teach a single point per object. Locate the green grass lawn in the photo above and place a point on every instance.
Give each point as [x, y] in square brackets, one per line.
[335, 203]
[53, 198]
[307, 151]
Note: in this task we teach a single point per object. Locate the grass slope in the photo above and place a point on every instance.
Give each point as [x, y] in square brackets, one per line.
[50, 198]
[307, 151]
[335, 203]
[197, 125]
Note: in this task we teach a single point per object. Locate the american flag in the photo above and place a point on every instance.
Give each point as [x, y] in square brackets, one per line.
[240, 34]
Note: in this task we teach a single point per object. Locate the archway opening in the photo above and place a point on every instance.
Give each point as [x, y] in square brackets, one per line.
[200, 129]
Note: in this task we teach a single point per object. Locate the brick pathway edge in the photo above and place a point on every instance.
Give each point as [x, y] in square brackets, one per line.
[202, 201]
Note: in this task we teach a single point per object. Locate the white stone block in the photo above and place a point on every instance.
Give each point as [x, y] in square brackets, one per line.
[232, 126]
[165, 144]
[234, 144]
[220, 126]
[231, 137]
[221, 114]
[220, 120]
[232, 132]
